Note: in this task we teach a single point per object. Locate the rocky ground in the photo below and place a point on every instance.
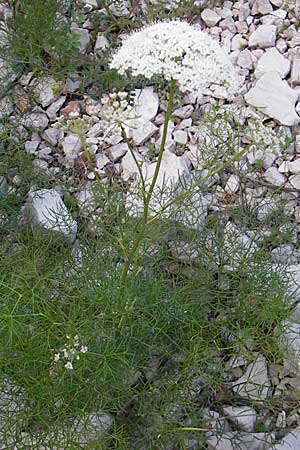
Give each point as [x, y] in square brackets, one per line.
[262, 38]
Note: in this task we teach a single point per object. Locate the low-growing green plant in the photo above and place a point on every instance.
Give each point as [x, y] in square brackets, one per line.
[38, 37]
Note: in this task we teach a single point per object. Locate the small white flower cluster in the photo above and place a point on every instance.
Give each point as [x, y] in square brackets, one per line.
[117, 109]
[179, 51]
[70, 352]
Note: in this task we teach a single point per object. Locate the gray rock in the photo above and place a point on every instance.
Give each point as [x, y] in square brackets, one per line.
[118, 151]
[55, 107]
[275, 98]
[272, 61]
[44, 91]
[31, 146]
[184, 112]
[290, 441]
[243, 416]
[6, 107]
[101, 44]
[51, 135]
[35, 120]
[46, 210]
[264, 36]
[274, 177]
[3, 186]
[255, 383]
[84, 38]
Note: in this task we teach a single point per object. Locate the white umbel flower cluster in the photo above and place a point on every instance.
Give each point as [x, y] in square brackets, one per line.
[179, 51]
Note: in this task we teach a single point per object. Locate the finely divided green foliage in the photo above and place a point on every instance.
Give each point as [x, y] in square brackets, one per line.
[39, 37]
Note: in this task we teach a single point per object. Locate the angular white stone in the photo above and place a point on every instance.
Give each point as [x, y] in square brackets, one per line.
[244, 59]
[118, 150]
[45, 209]
[180, 136]
[55, 107]
[275, 98]
[232, 184]
[101, 43]
[129, 166]
[51, 135]
[295, 181]
[140, 130]
[43, 90]
[238, 42]
[255, 383]
[35, 120]
[184, 112]
[263, 6]
[146, 103]
[294, 166]
[274, 177]
[210, 17]
[295, 74]
[71, 145]
[264, 36]
[272, 61]
[243, 416]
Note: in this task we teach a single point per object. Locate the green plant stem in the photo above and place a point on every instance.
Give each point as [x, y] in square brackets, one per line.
[197, 183]
[138, 241]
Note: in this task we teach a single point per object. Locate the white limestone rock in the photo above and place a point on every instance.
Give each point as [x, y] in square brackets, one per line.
[44, 91]
[46, 210]
[275, 98]
[244, 59]
[180, 136]
[55, 107]
[295, 181]
[295, 74]
[71, 145]
[263, 7]
[274, 177]
[101, 44]
[243, 416]
[255, 383]
[233, 184]
[272, 61]
[146, 103]
[118, 151]
[210, 17]
[129, 166]
[184, 112]
[290, 343]
[236, 440]
[264, 36]
[35, 120]
[294, 166]
[140, 130]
